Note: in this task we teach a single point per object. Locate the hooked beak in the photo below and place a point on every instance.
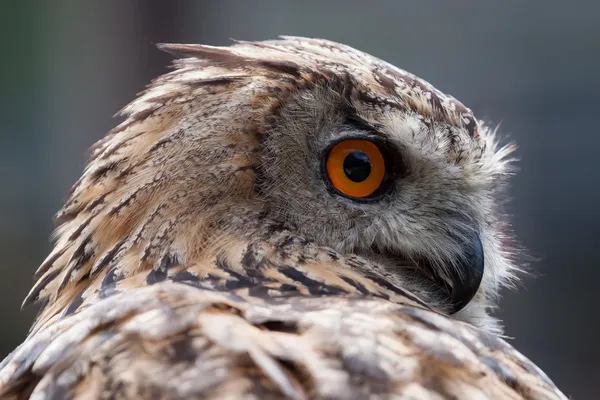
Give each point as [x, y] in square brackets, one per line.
[463, 281]
[459, 282]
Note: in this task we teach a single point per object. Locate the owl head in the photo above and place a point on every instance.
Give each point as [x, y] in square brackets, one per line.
[306, 136]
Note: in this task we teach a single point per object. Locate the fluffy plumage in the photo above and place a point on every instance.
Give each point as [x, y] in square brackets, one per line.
[201, 253]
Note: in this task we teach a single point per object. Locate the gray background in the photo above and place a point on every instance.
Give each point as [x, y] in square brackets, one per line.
[67, 66]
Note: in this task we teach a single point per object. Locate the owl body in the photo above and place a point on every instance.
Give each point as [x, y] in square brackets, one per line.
[280, 219]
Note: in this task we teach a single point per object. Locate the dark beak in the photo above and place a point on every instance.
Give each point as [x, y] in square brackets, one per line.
[457, 282]
[464, 280]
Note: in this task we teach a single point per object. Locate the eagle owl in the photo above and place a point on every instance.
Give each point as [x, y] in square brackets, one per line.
[280, 219]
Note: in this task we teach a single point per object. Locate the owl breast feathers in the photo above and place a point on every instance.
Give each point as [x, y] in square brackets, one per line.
[280, 219]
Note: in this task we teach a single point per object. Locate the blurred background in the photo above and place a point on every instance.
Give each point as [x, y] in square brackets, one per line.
[68, 66]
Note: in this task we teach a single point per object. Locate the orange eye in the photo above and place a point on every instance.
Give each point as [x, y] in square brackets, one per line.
[356, 167]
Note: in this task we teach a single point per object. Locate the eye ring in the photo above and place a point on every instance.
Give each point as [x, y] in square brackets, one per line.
[356, 168]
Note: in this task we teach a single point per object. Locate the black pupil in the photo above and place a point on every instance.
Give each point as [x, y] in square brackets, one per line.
[357, 166]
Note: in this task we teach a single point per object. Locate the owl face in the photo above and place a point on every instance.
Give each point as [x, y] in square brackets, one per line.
[380, 184]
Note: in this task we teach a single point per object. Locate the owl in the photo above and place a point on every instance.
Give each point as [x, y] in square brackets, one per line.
[280, 219]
